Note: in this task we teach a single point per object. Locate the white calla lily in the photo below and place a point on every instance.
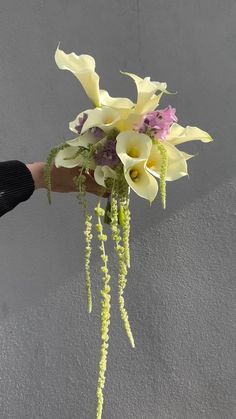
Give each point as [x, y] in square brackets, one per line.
[73, 124]
[132, 147]
[146, 89]
[104, 118]
[115, 102]
[179, 134]
[83, 140]
[83, 67]
[64, 158]
[101, 173]
[141, 181]
[177, 166]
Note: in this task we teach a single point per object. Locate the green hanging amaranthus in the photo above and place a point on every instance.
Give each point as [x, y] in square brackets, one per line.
[121, 249]
[105, 312]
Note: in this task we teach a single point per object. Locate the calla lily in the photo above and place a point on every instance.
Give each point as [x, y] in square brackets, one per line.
[141, 181]
[64, 158]
[83, 67]
[76, 123]
[177, 166]
[101, 173]
[115, 102]
[178, 134]
[146, 89]
[83, 140]
[133, 147]
[104, 118]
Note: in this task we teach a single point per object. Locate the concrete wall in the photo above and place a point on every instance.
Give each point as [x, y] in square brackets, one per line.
[181, 289]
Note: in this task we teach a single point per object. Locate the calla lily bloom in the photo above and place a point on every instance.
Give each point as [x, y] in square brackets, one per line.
[64, 158]
[104, 118]
[178, 134]
[83, 140]
[133, 147]
[83, 67]
[141, 181]
[101, 173]
[146, 99]
[177, 166]
[115, 102]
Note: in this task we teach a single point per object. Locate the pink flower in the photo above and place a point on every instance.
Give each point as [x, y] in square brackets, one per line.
[158, 123]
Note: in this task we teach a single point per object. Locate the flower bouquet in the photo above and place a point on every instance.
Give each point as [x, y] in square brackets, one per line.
[124, 146]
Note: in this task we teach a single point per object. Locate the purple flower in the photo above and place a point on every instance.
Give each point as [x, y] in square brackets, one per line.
[107, 155]
[97, 132]
[82, 120]
[158, 122]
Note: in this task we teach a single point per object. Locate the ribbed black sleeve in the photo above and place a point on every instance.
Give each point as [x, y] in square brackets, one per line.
[16, 184]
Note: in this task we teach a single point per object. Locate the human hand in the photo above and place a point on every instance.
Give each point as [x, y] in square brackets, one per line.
[62, 179]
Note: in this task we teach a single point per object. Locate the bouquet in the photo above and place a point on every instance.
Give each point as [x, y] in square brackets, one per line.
[125, 146]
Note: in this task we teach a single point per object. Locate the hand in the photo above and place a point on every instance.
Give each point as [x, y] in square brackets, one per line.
[62, 179]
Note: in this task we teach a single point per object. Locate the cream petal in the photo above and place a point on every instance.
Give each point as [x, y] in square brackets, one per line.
[130, 121]
[177, 166]
[104, 118]
[145, 184]
[83, 140]
[103, 172]
[132, 147]
[179, 134]
[68, 152]
[145, 92]
[115, 102]
[73, 124]
[83, 67]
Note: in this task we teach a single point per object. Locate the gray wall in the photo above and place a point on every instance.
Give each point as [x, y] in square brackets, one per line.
[181, 290]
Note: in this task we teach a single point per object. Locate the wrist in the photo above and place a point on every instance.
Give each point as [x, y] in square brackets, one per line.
[37, 172]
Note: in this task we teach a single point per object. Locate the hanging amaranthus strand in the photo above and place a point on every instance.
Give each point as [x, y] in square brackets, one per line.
[122, 262]
[124, 209]
[105, 312]
[163, 170]
[47, 168]
[81, 195]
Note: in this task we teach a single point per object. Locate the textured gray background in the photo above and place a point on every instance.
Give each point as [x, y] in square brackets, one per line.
[181, 289]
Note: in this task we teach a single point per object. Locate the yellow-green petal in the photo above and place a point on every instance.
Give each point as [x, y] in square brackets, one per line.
[68, 153]
[146, 90]
[115, 102]
[142, 182]
[132, 147]
[177, 166]
[104, 118]
[101, 173]
[83, 140]
[179, 134]
[83, 67]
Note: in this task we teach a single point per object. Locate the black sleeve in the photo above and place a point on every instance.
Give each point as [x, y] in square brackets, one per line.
[16, 184]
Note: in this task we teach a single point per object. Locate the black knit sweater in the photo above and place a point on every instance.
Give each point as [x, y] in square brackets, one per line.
[16, 184]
